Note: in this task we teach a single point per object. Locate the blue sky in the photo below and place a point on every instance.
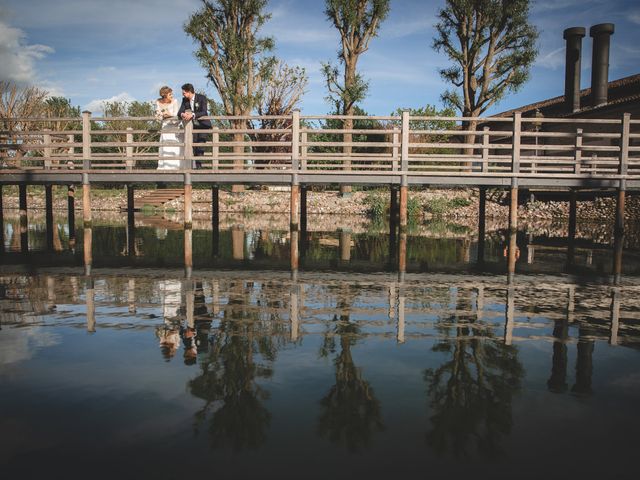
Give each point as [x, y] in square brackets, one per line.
[92, 50]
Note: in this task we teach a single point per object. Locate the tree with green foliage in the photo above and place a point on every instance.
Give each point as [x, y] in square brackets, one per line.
[230, 50]
[234, 55]
[492, 46]
[357, 21]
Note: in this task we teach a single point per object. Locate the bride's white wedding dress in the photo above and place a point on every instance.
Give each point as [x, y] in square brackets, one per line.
[171, 153]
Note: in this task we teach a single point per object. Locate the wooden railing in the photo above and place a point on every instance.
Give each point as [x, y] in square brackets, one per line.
[390, 144]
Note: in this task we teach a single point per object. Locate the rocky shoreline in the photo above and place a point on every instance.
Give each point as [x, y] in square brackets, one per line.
[453, 205]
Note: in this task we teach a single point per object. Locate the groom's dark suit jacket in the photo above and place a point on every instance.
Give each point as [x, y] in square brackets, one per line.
[199, 110]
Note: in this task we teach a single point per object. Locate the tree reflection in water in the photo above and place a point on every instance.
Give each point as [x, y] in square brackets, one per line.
[470, 393]
[350, 412]
[242, 351]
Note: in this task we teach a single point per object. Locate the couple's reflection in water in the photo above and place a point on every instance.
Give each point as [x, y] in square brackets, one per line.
[241, 353]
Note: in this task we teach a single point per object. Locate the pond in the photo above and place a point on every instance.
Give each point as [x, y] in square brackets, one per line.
[343, 368]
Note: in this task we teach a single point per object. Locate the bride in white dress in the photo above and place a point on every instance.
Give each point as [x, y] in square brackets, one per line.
[171, 152]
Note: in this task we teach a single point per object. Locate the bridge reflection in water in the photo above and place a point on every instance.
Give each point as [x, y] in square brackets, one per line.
[412, 346]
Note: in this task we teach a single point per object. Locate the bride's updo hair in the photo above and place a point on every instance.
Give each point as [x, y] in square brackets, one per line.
[165, 91]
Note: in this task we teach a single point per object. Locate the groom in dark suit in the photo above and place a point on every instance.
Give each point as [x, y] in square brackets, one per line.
[194, 106]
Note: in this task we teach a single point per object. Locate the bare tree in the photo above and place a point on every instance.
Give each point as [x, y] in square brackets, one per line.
[357, 21]
[17, 103]
[280, 95]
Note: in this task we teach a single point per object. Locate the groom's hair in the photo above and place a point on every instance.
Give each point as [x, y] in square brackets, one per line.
[187, 87]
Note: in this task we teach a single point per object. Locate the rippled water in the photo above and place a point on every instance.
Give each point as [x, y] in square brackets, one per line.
[344, 369]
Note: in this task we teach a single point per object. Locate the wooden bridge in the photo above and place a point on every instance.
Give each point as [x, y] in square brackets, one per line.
[302, 150]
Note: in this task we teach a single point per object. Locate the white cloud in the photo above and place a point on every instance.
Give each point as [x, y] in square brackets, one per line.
[421, 25]
[18, 59]
[96, 106]
[634, 17]
[553, 59]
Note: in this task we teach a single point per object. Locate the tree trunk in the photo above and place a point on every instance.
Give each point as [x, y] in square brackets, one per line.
[238, 151]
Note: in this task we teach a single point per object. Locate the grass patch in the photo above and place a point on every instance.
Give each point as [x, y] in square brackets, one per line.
[440, 206]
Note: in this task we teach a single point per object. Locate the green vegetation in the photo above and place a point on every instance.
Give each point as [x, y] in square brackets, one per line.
[440, 206]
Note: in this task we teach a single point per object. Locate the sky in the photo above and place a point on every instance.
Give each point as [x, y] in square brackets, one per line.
[95, 50]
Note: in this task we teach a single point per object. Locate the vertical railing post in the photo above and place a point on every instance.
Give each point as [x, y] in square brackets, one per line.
[577, 168]
[624, 143]
[515, 147]
[129, 149]
[215, 149]
[405, 141]
[188, 146]
[304, 150]
[395, 152]
[48, 151]
[485, 150]
[295, 140]
[86, 140]
[72, 150]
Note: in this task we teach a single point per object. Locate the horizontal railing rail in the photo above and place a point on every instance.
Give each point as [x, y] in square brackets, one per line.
[398, 145]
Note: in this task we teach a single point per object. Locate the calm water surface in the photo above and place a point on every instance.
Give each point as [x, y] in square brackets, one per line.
[345, 369]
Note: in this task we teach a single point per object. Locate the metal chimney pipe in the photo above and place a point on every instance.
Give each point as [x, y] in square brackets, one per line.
[601, 35]
[573, 36]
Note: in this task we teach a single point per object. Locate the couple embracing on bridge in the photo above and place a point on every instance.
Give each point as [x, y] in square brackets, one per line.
[192, 109]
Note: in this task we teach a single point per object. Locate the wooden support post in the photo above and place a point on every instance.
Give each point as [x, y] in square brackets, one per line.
[615, 316]
[129, 149]
[393, 205]
[187, 161]
[215, 221]
[295, 203]
[393, 302]
[71, 151]
[190, 302]
[86, 200]
[86, 140]
[71, 215]
[513, 206]
[24, 223]
[303, 209]
[87, 248]
[90, 295]
[215, 150]
[404, 198]
[482, 212]
[188, 205]
[188, 251]
[619, 233]
[48, 202]
[573, 194]
[131, 221]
